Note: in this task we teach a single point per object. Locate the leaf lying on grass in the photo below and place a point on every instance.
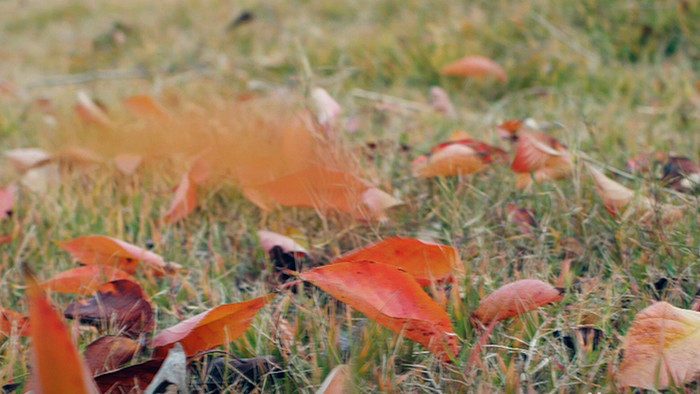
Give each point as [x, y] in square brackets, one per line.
[476, 67]
[210, 329]
[109, 353]
[97, 249]
[540, 157]
[391, 298]
[13, 322]
[661, 348]
[514, 299]
[426, 262]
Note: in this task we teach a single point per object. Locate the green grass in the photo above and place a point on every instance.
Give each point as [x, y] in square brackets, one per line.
[621, 77]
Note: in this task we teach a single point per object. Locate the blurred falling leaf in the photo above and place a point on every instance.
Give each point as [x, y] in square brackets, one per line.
[56, 364]
[661, 348]
[540, 156]
[337, 382]
[184, 201]
[120, 304]
[109, 352]
[392, 298]
[84, 280]
[426, 262]
[514, 299]
[210, 329]
[145, 106]
[476, 67]
[97, 249]
[90, 112]
[13, 322]
[127, 163]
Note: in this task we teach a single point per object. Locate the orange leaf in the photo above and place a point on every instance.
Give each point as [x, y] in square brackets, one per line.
[7, 200]
[542, 155]
[338, 381]
[516, 298]
[97, 249]
[184, 201]
[119, 304]
[426, 262]
[661, 348]
[475, 66]
[145, 106]
[452, 160]
[210, 329]
[84, 280]
[13, 322]
[90, 112]
[109, 352]
[56, 364]
[391, 298]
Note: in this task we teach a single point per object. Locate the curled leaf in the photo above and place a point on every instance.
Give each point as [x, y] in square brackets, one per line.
[391, 298]
[173, 372]
[426, 262]
[121, 304]
[97, 249]
[475, 66]
[514, 299]
[212, 328]
[661, 348]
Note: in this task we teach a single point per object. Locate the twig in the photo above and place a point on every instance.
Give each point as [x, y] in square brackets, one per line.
[568, 41]
[101, 75]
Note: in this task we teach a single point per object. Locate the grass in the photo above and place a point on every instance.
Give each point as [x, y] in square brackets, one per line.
[621, 77]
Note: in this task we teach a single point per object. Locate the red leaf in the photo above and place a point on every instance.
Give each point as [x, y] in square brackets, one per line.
[516, 298]
[392, 298]
[109, 352]
[210, 329]
[7, 200]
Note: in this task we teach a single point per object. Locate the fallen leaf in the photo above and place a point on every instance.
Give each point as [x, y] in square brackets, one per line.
[27, 158]
[109, 352]
[337, 382]
[145, 106]
[84, 280]
[173, 372]
[441, 102]
[8, 195]
[615, 196]
[90, 112]
[210, 329]
[475, 66]
[524, 219]
[452, 160]
[426, 262]
[124, 380]
[184, 201]
[509, 129]
[97, 249]
[12, 322]
[392, 298]
[56, 364]
[540, 156]
[120, 304]
[270, 239]
[514, 299]
[327, 109]
[660, 348]
[127, 163]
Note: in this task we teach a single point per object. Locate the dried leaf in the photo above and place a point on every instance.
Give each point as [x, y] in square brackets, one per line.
[661, 348]
[173, 372]
[337, 382]
[97, 249]
[681, 174]
[452, 160]
[184, 201]
[124, 380]
[84, 280]
[56, 364]
[212, 328]
[109, 352]
[615, 196]
[391, 298]
[514, 299]
[12, 322]
[121, 304]
[475, 66]
[426, 262]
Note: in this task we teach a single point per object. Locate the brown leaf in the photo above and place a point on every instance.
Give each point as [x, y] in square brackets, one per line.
[475, 66]
[120, 304]
[514, 299]
[210, 329]
[426, 262]
[661, 348]
[97, 249]
[391, 298]
[124, 380]
[84, 280]
[109, 352]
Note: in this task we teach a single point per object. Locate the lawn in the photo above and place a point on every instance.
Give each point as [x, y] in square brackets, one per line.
[611, 80]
